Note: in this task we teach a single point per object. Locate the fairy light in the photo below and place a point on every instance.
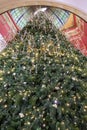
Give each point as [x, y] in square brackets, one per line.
[85, 107]
[1, 78]
[67, 104]
[62, 109]
[1, 100]
[5, 106]
[5, 85]
[38, 109]
[33, 60]
[44, 119]
[21, 115]
[43, 86]
[62, 91]
[55, 105]
[24, 67]
[57, 88]
[26, 114]
[32, 117]
[24, 83]
[62, 123]
[28, 123]
[49, 96]
[14, 74]
[84, 110]
[55, 102]
[44, 125]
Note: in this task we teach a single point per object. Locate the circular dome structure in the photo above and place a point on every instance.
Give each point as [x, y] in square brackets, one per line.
[43, 77]
[77, 7]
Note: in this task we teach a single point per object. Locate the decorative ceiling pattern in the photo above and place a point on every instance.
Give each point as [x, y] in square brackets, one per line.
[22, 15]
[16, 19]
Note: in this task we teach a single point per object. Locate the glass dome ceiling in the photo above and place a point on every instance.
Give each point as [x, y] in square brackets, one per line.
[72, 26]
[22, 15]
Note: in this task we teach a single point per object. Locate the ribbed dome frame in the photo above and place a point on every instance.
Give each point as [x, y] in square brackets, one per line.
[75, 6]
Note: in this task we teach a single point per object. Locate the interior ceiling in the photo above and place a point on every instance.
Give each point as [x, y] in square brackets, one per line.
[77, 7]
[56, 15]
[74, 28]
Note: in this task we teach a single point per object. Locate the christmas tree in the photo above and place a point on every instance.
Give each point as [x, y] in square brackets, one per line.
[43, 81]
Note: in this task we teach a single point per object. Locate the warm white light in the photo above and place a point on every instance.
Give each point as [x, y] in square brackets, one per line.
[40, 10]
[21, 115]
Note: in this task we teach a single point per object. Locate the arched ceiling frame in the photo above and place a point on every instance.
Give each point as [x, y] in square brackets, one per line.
[77, 7]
